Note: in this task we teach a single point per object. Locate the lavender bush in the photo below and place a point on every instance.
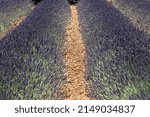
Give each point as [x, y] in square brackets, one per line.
[118, 55]
[31, 57]
[138, 11]
[11, 10]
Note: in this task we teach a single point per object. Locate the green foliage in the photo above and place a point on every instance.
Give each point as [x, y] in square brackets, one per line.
[135, 89]
[2, 28]
[130, 90]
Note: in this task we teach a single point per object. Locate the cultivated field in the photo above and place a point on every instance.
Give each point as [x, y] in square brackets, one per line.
[138, 12]
[12, 11]
[31, 65]
[95, 49]
[118, 54]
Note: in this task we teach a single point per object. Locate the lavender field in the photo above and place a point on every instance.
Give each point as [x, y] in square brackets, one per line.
[31, 65]
[118, 54]
[138, 11]
[11, 10]
[116, 38]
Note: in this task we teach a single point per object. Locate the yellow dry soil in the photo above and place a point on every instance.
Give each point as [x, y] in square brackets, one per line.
[76, 86]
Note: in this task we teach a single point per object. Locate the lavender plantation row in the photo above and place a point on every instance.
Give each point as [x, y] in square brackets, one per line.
[31, 63]
[11, 10]
[117, 53]
[138, 11]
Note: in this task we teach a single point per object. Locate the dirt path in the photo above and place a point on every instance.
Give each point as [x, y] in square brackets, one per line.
[76, 87]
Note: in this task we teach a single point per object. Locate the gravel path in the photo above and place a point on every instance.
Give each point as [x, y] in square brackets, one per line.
[75, 88]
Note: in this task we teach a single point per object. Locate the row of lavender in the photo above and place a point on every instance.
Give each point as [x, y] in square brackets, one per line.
[117, 53]
[10, 10]
[31, 57]
[138, 11]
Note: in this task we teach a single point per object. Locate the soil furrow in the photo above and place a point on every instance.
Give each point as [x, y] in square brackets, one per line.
[76, 87]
